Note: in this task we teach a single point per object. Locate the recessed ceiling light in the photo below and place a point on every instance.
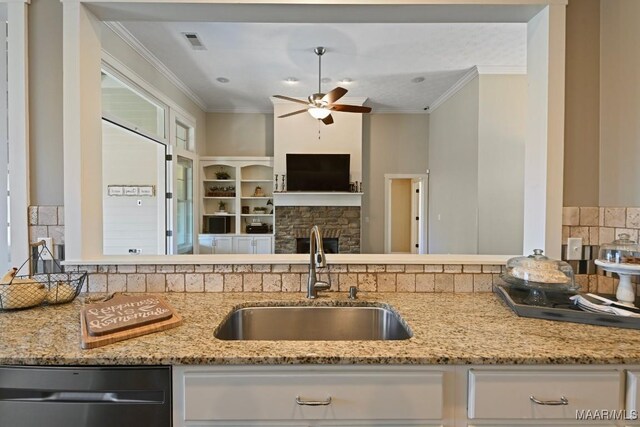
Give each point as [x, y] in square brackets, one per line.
[291, 80]
[417, 79]
[223, 80]
[346, 81]
[325, 80]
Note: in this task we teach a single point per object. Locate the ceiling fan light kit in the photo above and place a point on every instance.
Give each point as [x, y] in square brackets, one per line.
[320, 105]
[318, 113]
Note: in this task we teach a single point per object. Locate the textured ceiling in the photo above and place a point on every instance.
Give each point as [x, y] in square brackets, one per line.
[382, 59]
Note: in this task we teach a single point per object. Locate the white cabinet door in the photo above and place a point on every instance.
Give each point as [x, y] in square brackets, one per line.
[205, 245]
[262, 244]
[243, 245]
[223, 245]
[522, 394]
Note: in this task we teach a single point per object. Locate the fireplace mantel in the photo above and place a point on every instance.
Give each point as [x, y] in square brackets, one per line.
[317, 198]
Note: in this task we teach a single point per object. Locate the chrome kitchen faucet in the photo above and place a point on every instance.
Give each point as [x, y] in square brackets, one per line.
[316, 260]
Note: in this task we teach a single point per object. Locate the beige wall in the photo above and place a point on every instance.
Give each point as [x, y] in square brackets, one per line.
[582, 104]
[45, 102]
[501, 140]
[391, 143]
[401, 215]
[453, 173]
[231, 134]
[301, 133]
[620, 103]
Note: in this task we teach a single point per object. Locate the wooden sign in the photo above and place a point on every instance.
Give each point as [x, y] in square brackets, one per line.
[124, 312]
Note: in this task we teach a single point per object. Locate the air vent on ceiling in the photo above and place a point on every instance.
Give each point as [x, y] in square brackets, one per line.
[194, 41]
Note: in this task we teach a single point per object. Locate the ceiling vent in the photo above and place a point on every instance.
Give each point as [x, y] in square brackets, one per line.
[194, 41]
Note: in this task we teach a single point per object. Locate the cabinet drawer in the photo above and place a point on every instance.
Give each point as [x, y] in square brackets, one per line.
[272, 396]
[510, 394]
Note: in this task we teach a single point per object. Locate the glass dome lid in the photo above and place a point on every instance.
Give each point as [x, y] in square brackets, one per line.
[539, 272]
[623, 250]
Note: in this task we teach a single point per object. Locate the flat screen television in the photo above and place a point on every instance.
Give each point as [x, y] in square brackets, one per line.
[318, 172]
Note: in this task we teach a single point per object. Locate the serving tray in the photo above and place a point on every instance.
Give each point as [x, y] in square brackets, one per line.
[562, 308]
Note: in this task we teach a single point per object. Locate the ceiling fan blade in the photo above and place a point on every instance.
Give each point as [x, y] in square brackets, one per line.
[350, 108]
[327, 120]
[292, 114]
[334, 95]
[286, 98]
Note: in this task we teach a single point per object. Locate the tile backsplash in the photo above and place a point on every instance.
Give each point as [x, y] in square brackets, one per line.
[594, 225]
[598, 225]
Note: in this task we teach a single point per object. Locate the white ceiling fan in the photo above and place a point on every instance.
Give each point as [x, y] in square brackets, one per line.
[320, 105]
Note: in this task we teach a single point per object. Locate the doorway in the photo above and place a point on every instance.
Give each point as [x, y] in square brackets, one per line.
[405, 213]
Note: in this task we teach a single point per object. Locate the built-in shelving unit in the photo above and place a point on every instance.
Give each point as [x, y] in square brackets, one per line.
[239, 190]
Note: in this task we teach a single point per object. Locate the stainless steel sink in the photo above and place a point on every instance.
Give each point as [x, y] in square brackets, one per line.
[313, 323]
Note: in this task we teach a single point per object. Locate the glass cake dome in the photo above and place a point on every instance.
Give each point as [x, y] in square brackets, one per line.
[539, 274]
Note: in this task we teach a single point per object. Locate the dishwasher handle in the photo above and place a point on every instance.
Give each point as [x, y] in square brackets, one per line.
[33, 395]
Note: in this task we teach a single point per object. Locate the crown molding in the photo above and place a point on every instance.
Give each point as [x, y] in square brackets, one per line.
[135, 44]
[498, 69]
[399, 111]
[474, 72]
[241, 110]
[462, 82]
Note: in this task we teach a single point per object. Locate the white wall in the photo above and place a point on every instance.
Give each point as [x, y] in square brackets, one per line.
[453, 173]
[501, 139]
[304, 134]
[391, 143]
[130, 159]
[620, 103]
[235, 134]
[476, 164]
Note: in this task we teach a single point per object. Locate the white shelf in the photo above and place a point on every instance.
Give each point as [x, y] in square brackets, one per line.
[247, 173]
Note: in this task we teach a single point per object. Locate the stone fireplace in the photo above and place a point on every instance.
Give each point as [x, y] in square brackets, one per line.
[339, 225]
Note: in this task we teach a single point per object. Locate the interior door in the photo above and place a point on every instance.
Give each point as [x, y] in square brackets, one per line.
[133, 178]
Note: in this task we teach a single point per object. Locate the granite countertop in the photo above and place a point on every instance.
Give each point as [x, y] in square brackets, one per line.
[447, 329]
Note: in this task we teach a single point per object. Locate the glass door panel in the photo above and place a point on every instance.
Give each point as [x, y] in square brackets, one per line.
[184, 202]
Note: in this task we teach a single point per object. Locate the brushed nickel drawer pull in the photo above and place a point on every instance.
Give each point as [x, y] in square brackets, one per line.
[563, 401]
[302, 402]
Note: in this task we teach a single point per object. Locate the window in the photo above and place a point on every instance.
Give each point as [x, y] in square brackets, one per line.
[124, 103]
[183, 136]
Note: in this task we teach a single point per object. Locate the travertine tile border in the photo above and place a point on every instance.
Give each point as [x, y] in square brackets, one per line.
[289, 278]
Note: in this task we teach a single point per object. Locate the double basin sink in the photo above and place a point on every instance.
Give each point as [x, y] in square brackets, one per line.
[313, 323]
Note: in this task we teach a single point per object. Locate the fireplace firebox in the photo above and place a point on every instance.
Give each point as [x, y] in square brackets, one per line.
[329, 244]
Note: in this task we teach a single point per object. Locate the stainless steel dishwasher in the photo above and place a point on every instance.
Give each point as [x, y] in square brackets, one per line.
[85, 396]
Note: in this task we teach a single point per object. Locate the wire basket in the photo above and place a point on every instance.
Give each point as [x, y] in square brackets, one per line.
[40, 288]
